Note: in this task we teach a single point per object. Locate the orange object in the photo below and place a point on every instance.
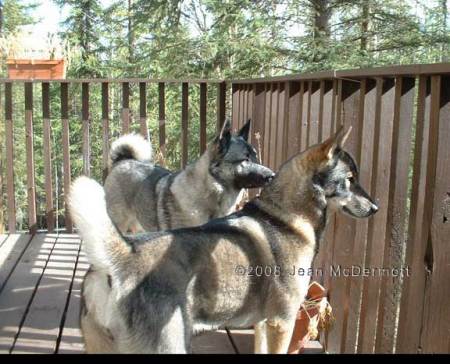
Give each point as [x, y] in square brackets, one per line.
[29, 69]
[308, 317]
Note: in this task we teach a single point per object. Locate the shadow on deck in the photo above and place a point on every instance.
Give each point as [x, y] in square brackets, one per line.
[40, 284]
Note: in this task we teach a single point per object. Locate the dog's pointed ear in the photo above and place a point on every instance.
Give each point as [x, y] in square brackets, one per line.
[338, 140]
[245, 130]
[224, 136]
[342, 136]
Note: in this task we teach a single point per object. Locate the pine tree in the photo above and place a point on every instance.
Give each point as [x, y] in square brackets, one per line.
[15, 14]
[83, 30]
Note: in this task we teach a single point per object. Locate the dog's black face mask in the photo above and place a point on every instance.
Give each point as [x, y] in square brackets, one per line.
[336, 177]
[235, 163]
[339, 181]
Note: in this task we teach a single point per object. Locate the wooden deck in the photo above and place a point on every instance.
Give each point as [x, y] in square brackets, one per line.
[40, 282]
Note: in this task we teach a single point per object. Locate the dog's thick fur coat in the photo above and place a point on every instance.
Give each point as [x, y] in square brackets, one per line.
[142, 196]
[168, 286]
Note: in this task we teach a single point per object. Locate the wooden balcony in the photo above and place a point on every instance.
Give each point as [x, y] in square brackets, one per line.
[401, 132]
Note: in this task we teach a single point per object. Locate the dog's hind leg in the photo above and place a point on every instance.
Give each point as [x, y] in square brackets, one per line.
[97, 339]
[94, 299]
[279, 336]
[176, 334]
[261, 337]
[163, 336]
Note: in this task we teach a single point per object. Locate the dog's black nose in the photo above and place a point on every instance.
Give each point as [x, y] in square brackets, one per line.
[374, 208]
[270, 178]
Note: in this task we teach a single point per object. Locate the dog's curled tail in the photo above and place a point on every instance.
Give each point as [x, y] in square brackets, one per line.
[102, 242]
[130, 146]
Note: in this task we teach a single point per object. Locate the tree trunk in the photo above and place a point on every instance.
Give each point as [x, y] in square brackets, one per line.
[365, 13]
[85, 34]
[321, 18]
[445, 47]
[321, 30]
[130, 40]
[1, 18]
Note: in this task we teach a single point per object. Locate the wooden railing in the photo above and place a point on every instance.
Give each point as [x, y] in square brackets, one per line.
[400, 139]
[65, 103]
[401, 132]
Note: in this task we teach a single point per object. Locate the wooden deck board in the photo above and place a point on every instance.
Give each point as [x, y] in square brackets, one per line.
[243, 339]
[216, 342]
[40, 287]
[3, 238]
[71, 338]
[40, 331]
[10, 252]
[20, 287]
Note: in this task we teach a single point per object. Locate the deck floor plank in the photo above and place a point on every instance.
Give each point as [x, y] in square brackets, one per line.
[41, 328]
[3, 238]
[20, 287]
[10, 252]
[243, 339]
[71, 338]
[216, 342]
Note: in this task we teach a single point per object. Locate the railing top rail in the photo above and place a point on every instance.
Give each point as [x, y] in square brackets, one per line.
[113, 80]
[388, 71]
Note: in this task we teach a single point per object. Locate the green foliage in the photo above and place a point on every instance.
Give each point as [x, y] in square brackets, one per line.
[82, 31]
[15, 14]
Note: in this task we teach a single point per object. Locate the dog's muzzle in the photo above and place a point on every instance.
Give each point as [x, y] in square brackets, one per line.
[255, 175]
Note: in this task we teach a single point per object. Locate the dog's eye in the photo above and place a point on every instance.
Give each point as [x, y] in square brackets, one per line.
[350, 178]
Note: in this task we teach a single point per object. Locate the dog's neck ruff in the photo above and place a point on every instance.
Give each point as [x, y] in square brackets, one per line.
[295, 200]
[219, 199]
[300, 225]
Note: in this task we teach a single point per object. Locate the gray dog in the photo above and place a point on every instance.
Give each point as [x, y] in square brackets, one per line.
[144, 197]
[168, 286]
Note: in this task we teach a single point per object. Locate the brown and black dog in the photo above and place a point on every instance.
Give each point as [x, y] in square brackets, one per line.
[169, 286]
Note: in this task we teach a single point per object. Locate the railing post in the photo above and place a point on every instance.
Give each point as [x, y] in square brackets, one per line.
[274, 93]
[50, 211]
[292, 138]
[267, 110]
[32, 221]
[184, 123]
[105, 124]
[235, 106]
[143, 110]
[203, 102]
[162, 117]
[86, 136]
[66, 151]
[9, 136]
[221, 104]
[258, 119]
[125, 108]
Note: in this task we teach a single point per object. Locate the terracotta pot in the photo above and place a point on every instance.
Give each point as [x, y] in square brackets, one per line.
[308, 318]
